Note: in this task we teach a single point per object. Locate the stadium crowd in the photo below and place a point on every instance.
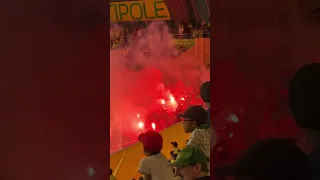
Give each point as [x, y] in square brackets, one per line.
[273, 158]
[122, 34]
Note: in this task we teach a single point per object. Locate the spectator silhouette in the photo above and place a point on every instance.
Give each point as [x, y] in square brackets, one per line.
[205, 96]
[194, 122]
[272, 159]
[154, 165]
[173, 156]
[304, 98]
[175, 147]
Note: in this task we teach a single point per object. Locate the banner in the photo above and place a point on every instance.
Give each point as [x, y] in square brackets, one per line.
[184, 43]
[139, 11]
[178, 43]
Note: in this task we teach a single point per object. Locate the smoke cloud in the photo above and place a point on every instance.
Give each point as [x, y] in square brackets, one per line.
[142, 73]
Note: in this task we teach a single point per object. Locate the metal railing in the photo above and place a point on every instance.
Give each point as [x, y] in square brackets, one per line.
[121, 43]
[190, 36]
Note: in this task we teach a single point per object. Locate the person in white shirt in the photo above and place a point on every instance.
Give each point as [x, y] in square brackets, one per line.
[194, 122]
[154, 166]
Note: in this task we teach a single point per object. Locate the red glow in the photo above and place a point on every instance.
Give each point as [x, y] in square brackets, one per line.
[155, 84]
[165, 113]
[172, 99]
[162, 101]
[141, 125]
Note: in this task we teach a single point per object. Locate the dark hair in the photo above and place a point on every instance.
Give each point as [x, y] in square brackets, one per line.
[273, 159]
[175, 144]
[202, 117]
[196, 113]
[205, 92]
[154, 153]
[304, 96]
[174, 155]
[204, 167]
[111, 171]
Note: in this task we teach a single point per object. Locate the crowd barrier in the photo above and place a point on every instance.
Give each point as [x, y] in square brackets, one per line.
[180, 41]
[188, 36]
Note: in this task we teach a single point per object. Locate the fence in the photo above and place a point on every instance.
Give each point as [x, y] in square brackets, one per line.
[181, 41]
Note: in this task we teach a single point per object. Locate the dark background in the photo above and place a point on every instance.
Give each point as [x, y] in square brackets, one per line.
[54, 89]
[256, 47]
[54, 76]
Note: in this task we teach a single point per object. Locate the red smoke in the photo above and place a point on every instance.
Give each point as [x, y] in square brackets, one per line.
[147, 80]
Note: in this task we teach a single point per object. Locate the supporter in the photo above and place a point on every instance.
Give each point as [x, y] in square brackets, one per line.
[139, 32]
[192, 164]
[129, 37]
[111, 175]
[115, 44]
[181, 30]
[171, 152]
[175, 147]
[189, 28]
[121, 41]
[194, 122]
[117, 33]
[123, 36]
[272, 159]
[154, 165]
[204, 27]
[172, 160]
[205, 96]
[200, 32]
[173, 156]
[304, 98]
[203, 24]
[194, 33]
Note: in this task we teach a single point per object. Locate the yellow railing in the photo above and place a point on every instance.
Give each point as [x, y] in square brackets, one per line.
[180, 43]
